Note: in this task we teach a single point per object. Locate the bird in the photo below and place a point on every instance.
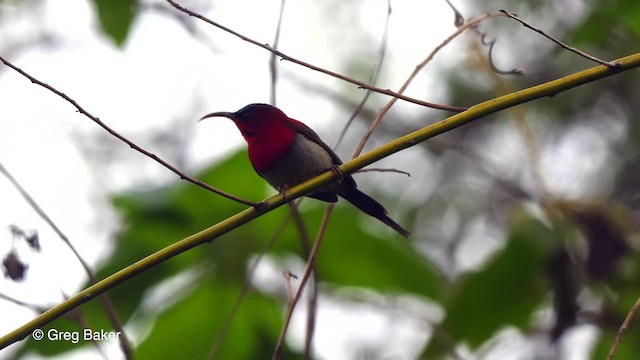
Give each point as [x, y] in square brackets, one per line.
[286, 152]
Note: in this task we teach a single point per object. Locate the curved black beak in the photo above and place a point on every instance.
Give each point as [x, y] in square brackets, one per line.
[226, 114]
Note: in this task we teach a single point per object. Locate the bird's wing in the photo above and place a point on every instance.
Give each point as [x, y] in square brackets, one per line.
[307, 132]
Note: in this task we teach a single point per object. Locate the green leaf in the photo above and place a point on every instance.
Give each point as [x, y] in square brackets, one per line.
[349, 256]
[115, 18]
[628, 349]
[611, 23]
[505, 292]
[155, 218]
[193, 324]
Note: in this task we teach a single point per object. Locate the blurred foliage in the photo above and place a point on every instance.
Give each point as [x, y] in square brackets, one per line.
[573, 255]
[159, 217]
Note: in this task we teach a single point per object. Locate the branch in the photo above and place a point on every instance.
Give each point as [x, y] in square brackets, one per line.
[384, 170]
[312, 298]
[382, 51]
[469, 24]
[286, 57]
[246, 287]
[623, 329]
[562, 45]
[273, 64]
[551, 88]
[305, 277]
[32, 307]
[107, 304]
[127, 141]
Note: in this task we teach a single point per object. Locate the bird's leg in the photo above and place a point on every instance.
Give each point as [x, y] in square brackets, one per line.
[260, 205]
[336, 170]
[283, 190]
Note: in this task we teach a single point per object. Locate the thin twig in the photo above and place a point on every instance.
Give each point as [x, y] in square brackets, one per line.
[78, 316]
[383, 170]
[312, 298]
[107, 304]
[382, 51]
[526, 131]
[287, 275]
[491, 43]
[182, 19]
[245, 289]
[415, 72]
[75, 315]
[127, 141]
[623, 328]
[312, 313]
[562, 45]
[458, 18]
[286, 57]
[273, 64]
[32, 307]
[303, 281]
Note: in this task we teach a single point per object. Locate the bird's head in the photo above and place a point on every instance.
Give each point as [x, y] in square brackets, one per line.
[251, 118]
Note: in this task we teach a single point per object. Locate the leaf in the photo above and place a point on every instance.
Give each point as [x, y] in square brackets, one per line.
[352, 257]
[505, 292]
[628, 349]
[380, 260]
[155, 218]
[192, 325]
[115, 18]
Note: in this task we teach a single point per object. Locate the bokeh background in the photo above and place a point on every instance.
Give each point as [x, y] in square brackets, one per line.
[524, 224]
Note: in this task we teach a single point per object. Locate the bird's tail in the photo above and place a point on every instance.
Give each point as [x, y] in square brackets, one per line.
[371, 207]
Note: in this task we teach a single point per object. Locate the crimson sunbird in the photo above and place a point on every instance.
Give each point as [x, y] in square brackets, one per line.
[286, 153]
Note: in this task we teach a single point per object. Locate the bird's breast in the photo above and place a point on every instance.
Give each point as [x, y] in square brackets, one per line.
[268, 145]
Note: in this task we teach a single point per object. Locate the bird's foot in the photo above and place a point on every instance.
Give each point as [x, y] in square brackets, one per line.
[259, 205]
[283, 191]
[336, 170]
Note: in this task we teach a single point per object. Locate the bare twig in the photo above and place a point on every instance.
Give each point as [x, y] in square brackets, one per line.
[78, 316]
[273, 63]
[382, 51]
[286, 57]
[562, 45]
[623, 328]
[127, 141]
[287, 274]
[305, 277]
[182, 19]
[469, 24]
[75, 315]
[107, 304]
[459, 19]
[491, 44]
[526, 131]
[245, 289]
[312, 298]
[383, 170]
[35, 308]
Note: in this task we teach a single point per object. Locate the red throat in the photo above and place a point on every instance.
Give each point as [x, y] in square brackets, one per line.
[269, 140]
